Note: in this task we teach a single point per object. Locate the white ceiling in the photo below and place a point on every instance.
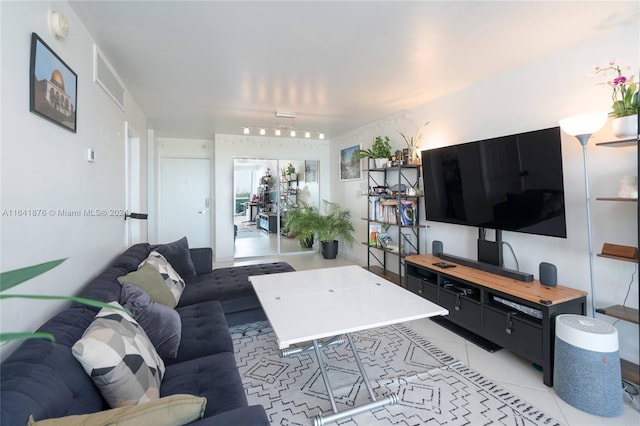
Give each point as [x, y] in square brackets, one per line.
[202, 67]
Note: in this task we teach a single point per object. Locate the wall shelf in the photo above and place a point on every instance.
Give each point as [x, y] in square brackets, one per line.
[619, 144]
[631, 200]
[621, 312]
[624, 259]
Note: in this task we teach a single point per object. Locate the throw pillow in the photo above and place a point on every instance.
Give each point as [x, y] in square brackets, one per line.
[161, 323]
[178, 255]
[118, 356]
[151, 281]
[172, 279]
[168, 411]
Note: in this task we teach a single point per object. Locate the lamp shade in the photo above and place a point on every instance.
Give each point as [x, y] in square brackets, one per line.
[584, 124]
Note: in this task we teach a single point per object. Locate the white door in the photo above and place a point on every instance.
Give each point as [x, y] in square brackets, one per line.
[185, 201]
[133, 227]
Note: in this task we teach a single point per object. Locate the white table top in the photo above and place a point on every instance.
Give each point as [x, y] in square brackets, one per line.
[316, 304]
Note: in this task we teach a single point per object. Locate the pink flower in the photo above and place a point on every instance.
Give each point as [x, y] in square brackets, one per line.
[619, 80]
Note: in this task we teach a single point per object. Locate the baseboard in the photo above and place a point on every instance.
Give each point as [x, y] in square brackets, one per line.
[485, 344]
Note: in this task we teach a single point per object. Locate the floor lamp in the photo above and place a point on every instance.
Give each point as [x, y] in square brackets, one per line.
[582, 127]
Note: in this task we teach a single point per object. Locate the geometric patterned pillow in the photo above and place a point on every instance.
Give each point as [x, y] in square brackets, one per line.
[118, 356]
[172, 279]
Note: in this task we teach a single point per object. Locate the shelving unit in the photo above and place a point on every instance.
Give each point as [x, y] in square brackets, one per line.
[396, 213]
[630, 371]
[288, 197]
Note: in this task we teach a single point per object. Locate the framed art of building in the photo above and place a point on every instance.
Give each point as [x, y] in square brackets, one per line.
[53, 86]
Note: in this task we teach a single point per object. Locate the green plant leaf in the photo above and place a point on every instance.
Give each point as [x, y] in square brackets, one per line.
[5, 337]
[13, 278]
[82, 300]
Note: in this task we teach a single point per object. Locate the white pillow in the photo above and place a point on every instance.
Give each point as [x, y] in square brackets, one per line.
[118, 356]
[172, 279]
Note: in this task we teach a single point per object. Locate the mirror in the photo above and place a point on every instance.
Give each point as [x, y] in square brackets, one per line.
[265, 192]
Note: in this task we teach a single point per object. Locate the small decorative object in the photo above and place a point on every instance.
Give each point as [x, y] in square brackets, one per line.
[628, 187]
[53, 86]
[412, 144]
[624, 109]
[350, 164]
[290, 172]
[380, 151]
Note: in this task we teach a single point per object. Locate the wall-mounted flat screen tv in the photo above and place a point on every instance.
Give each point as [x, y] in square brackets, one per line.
[510, 183]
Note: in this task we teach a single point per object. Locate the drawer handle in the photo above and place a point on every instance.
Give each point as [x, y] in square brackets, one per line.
[420, 290]
[509, 328]
[458, 307]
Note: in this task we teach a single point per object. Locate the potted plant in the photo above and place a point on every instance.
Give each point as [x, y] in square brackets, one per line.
[380, 151]
[302, 222]
[624, 109]
[412, 144]
[334, 223]
[290, 172]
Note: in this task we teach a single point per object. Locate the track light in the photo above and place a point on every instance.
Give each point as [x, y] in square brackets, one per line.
[246, 131]
[278, 132]
[287, 125]
[307, 135]
[263, 132]
[293, 133]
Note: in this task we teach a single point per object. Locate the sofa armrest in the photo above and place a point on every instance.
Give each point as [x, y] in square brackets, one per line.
[253, 415]
[202, 259]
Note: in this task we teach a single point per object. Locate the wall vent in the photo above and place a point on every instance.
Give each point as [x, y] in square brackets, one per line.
[106, 77]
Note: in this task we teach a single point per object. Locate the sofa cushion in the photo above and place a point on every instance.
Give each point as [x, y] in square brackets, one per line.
[177, 254]
[161, 323]
[204, 331]
[172, 279]
[131, 257]
[230, 286]
[169, 411]
[151, 281]
[215, 377]
[43, 379]
[118, 356]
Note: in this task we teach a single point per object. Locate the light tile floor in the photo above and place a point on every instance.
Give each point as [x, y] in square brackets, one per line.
[510, 371]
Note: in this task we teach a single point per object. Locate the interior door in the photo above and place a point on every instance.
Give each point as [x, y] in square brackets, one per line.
[185, 201]
[133, 227]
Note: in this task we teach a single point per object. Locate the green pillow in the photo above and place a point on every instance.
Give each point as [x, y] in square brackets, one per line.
[149, 279]
[172, 410]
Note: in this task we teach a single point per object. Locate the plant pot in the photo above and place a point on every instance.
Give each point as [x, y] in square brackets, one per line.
[626, 127]
[381, 162]
[329, 249]
[307, 242]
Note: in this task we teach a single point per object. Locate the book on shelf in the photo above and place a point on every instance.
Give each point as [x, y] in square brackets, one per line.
[374, 230]
[386, 242]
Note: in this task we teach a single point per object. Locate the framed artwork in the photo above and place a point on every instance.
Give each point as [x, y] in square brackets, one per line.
[311, 171]
[350, 166]
[53, 86]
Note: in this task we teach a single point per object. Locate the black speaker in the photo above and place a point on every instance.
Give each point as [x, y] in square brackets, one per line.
[436, 248]
[548, 274]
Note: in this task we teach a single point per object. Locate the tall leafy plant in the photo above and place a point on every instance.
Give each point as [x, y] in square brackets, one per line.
[335, 223]
[10, 279]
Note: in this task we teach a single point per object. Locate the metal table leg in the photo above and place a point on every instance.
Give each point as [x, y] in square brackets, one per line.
[320, 420]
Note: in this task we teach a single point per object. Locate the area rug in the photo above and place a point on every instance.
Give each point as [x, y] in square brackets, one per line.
[433, 387]
[249, 230]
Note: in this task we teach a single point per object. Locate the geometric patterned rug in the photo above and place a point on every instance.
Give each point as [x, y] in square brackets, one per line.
[433, 388]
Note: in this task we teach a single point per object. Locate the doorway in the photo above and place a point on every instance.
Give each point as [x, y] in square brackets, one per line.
[265, 190]
[184, 200]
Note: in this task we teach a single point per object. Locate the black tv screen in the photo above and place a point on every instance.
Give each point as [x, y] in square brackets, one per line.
[510, 183]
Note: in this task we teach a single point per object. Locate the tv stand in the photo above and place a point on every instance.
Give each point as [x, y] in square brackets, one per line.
[487, 267]
[517, 316]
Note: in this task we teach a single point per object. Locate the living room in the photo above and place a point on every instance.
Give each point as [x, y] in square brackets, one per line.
[45, 167]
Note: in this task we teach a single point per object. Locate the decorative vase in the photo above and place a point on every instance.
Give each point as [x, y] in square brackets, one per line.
[626, 127]
[381, 162]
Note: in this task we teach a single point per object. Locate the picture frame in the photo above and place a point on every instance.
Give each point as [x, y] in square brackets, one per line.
[311, 171]
[350, 166]
[53, 86]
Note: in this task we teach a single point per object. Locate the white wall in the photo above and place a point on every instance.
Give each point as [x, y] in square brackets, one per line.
[228, 147]
[531, 97]
[44, 168]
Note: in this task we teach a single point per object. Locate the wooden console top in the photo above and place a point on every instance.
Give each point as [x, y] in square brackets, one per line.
[532, 291]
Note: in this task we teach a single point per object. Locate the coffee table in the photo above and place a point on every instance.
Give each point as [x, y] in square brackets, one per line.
[307, 306]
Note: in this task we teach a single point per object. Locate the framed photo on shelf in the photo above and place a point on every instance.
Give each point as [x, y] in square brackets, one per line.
[53, 86]
[350, 166]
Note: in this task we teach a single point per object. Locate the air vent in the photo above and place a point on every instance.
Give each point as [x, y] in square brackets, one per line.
[106, 77]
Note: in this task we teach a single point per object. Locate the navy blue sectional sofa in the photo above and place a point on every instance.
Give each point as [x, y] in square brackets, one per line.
[45, 380]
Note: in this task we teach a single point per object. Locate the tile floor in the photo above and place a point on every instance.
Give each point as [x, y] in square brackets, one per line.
[514, 373]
